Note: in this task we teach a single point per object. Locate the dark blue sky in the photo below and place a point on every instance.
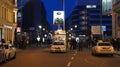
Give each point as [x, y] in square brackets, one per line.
[52, 5]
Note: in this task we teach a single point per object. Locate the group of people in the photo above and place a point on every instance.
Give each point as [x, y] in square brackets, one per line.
[115, 43]
[21, 42]
[76, 45]
[73, 44]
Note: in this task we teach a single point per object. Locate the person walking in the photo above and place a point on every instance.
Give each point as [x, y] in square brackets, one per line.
[118, 44]
[80, 45]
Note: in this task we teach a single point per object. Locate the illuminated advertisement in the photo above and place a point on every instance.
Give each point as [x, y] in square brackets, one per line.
[58, 17]
[96, 29]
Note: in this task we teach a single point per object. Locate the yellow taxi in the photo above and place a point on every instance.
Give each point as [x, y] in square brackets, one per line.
[103, 48]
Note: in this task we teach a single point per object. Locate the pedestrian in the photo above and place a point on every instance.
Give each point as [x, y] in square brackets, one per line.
[118, 44]
[11, 44]
[71, 45]
[80, 45]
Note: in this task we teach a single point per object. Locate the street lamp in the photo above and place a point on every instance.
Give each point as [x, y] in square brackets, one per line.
[45, 35]
[43, 29]
[40, 26]
[75, 26]
[71, 29]
[101, 19]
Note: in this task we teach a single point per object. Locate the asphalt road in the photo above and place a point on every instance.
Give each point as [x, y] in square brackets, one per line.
[37, 57]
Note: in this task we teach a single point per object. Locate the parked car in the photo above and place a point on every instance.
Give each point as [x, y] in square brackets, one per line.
[103, 48]
[10, 51]
[2, 54]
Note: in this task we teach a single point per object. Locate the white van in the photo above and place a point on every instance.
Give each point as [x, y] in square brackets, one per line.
[58, 46]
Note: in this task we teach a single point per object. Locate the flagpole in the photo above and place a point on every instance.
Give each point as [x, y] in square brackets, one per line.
[64, 15]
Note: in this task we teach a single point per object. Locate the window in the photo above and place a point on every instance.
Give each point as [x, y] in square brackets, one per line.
[58, 43]
[104, 44]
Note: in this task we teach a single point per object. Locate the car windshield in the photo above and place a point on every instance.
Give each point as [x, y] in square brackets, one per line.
[104, 44]
[58, 43]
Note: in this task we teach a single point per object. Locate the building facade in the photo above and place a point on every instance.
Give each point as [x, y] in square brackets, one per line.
[8, 19]
[33, 16]
[116, 18]
[86, 15]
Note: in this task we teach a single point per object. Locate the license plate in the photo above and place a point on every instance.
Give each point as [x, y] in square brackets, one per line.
[57, 48]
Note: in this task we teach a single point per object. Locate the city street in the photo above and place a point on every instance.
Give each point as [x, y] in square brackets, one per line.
[41, 57]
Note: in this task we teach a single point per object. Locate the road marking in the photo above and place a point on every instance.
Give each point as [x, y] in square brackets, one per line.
[68, 65]
[74, 54]
[72, 58]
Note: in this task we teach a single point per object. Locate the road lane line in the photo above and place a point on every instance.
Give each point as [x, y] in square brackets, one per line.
[68, 65]
[74, 54]
[72, 58]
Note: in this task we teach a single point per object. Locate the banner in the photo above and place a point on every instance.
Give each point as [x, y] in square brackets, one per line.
[96, 29]
[58, 17]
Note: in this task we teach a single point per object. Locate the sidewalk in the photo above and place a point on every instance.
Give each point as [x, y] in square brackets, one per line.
[117, 53]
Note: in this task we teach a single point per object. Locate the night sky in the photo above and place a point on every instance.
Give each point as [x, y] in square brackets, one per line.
[52, 5]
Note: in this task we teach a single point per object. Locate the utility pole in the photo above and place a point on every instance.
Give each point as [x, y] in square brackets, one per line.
[63, 2]
[101, 20]
[64, 14]
[21, 15]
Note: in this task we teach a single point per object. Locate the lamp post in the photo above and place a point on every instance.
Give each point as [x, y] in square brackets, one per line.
[40, 27]
[21, 14]
[101, 20]
[63, 2]
[39, 34]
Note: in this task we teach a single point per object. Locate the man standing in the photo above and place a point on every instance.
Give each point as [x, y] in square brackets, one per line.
[80, 45]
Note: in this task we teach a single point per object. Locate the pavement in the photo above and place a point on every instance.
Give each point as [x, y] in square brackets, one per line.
[117, 53]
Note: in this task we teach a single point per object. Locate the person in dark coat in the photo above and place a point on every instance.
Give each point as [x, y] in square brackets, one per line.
[118, 44]
[80, 45]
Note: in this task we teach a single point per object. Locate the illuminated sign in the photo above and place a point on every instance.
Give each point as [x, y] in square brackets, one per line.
[103, 28]
[91, 6]
[96, 29]
[7, 26]
[58, 17]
